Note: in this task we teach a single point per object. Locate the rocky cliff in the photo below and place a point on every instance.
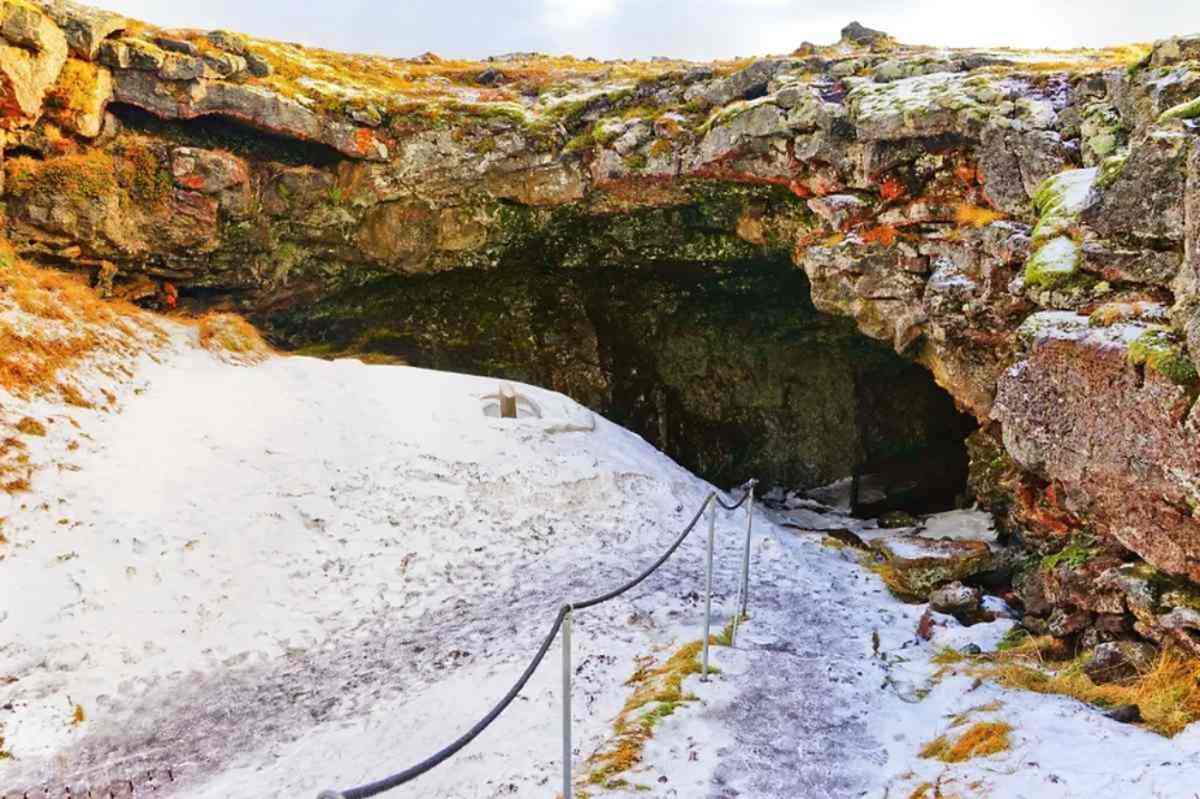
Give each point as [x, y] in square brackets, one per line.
[1023, 225]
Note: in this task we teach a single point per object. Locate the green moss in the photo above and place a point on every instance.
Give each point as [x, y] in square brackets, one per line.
[1079, 551]
[89, 177]
[1143, 62]
[1162, 351]
[1055, 266]
[1185, 110]
[636, 161]
[1012, 639]
[1111, 169]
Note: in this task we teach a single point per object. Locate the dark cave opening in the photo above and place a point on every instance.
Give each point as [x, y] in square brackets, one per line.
[728, 367]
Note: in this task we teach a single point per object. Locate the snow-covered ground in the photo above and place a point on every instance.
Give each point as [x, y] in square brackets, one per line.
[264, 581]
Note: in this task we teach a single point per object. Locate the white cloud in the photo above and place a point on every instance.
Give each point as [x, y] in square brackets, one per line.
[576, 14]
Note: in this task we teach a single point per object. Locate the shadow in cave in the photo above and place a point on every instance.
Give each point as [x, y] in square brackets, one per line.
[728, 367]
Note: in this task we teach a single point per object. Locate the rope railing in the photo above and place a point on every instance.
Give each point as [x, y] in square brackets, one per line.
[562, 623]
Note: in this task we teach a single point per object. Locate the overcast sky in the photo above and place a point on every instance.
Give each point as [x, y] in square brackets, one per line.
[700, 29]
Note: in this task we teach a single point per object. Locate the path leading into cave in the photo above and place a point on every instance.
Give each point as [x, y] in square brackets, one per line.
[269, 580]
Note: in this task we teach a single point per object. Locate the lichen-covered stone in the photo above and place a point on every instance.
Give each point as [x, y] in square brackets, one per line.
[1119, 660]
[919, 565]
[85, 27]
[32, 52]
[1145, 200]
[1086, 410]
[79, 98]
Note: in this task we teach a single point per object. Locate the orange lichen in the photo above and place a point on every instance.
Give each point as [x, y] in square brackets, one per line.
[968, 215]
[31, 427]
[891, 188]
[884, 235]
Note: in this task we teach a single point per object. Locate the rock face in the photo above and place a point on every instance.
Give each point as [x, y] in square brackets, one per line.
[1109, 414]
[32, 51]
[1027, 232]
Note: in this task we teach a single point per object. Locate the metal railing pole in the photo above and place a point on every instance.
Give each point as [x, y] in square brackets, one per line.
[708, 569]
[746, 553]
[566, 728]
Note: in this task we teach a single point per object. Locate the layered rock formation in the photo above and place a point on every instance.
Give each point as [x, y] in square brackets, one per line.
[1026, 226]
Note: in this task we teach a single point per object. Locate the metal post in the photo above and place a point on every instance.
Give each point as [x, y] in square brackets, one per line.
[712, 528]
[566, 728]
[746, 552]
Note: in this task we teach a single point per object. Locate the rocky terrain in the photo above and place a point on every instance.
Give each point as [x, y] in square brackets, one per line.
[745, 261]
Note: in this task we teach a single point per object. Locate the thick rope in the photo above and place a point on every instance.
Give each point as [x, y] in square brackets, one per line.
[431, 762]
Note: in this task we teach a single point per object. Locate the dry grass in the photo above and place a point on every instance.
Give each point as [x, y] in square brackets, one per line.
[50, 323]
[227, 333]
[31, 427]
[57, 322]
[658, 692]
[980, 740]
[1168, 694]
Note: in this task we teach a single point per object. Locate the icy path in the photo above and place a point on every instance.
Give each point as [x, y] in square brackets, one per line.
[271, 580]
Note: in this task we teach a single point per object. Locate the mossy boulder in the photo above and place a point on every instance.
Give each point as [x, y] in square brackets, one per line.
[913, 566]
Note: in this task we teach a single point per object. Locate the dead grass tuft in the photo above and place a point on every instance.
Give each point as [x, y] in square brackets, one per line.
[56, 321]
[658, 693]
[980, 740]
[31, 427]
[1168, 694]
[230, 334]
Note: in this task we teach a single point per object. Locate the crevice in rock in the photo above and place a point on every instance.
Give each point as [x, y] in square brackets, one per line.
[222, 133]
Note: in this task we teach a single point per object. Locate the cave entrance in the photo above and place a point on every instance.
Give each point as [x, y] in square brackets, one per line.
[726, 367]
[732, 371]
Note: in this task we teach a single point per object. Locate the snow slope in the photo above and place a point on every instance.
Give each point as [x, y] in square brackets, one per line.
[269, 580]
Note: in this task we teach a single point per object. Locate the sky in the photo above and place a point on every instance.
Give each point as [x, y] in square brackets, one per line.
[698, 29]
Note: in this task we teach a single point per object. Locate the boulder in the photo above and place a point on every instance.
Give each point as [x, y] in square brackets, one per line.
[206, 171]
[856, 33]
[1063, 622]
[255, 105]
[400, 235]
[1175, 49]
[1142, 195]
[85, 27]
[839, 210]
[229, 41]
[916, 566]
[1125, 714]
[79, 98]
[32, 53]
[1014, 163]
[750, 81]
[1108, 414]
[553, 184]
[1119, 660]
[956, 599]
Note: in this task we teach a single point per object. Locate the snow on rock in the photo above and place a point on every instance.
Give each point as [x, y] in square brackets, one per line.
[273, 579]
